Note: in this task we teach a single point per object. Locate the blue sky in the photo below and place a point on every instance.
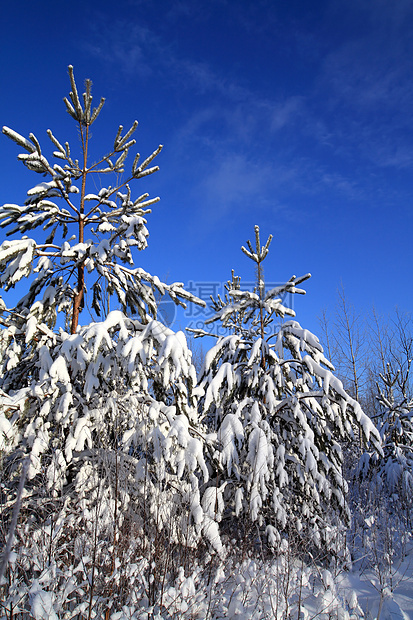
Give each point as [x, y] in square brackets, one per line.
[296, 116]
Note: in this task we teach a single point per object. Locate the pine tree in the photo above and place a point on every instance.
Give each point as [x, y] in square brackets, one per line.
[279, 414]
[116, 223]
[391, 472]
[102, 415]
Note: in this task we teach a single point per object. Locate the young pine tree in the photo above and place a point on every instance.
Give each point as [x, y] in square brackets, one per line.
[279, 414]
[392, 472]
[102, 415]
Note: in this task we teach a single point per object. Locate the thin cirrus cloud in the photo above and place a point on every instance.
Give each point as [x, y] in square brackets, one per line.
[236, 184]
[368, 85]
[136, 49]
[226, 134]
[220, 133]
[353, 110]
[122, 45]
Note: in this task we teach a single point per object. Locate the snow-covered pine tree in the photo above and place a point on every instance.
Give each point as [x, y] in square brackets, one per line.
[392, 472]
[115, 222]
[103, 415]
[279, 413]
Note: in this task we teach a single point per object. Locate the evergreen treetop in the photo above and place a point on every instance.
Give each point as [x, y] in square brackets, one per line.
[90, 233]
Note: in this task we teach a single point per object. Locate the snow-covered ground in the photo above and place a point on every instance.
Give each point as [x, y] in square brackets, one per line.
[365, 594]
[393, 601]
[282, 591]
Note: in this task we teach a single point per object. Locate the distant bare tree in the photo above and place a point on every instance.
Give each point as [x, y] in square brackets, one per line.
[351, 345]
[391, 351]
[328, 339]
[402, 355]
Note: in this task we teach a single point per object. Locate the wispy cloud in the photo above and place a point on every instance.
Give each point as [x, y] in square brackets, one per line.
[353, 117]
[364, 90]
[236, 183]
[138, 49]
[121, 46]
